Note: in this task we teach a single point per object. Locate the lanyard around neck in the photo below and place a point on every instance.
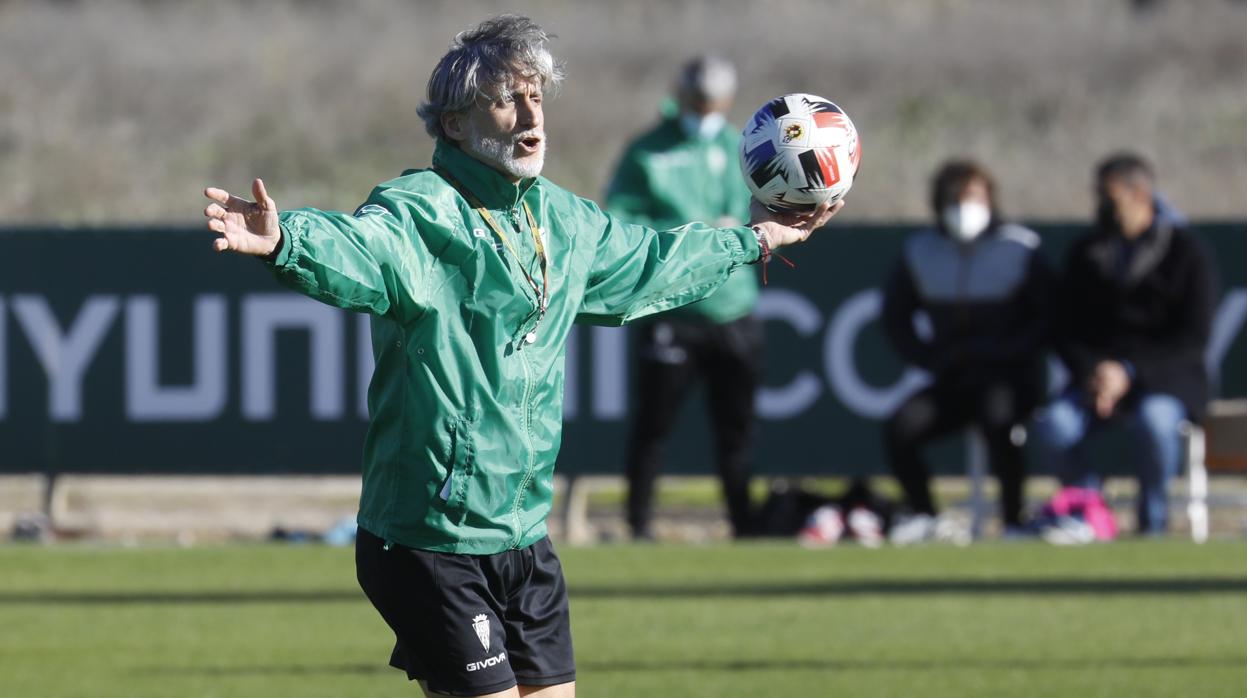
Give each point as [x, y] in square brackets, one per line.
[542, 292]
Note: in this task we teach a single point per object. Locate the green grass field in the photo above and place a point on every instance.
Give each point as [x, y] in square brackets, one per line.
[1156, 618]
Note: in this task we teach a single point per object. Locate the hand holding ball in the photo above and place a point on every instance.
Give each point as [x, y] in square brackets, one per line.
[799, 151]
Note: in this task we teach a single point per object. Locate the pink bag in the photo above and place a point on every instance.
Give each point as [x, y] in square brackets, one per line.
[1085, 504]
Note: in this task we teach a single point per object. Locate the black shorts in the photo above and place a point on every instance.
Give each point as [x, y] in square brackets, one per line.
[471, 624]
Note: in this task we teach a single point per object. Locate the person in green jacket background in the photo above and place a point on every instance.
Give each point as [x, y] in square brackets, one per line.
[473, 271]
[683, 169]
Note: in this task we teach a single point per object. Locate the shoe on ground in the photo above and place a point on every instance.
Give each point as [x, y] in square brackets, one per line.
[866, 527]
[912, 530]
[823, 529]
[952, 530]
[1067, 530]
[924, 528]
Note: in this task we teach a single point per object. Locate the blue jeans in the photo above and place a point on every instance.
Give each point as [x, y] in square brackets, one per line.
[1153, 419]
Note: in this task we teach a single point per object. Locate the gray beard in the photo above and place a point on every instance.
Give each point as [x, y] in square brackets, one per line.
[501, 154]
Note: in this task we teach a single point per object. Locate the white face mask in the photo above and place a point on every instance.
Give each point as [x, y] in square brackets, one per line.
[965, 222]
[703, 126]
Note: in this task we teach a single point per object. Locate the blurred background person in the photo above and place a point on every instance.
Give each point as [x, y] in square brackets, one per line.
[685, 169]
[969, 302]
[1136, 305]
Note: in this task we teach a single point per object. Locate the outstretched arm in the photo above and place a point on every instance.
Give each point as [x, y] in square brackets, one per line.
[637, 271]
[373, 261]
[246, 227]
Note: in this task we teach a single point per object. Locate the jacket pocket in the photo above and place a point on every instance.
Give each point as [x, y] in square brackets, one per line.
[454, 492]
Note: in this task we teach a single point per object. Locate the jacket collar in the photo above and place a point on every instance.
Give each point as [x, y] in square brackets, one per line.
[1129, 261]
[486, 183]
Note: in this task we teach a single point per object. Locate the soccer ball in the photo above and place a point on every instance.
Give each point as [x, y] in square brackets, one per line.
[799, 151]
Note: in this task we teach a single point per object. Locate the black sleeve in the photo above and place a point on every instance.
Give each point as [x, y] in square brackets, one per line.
[1182, 343]
[900, 302]
[1071, 319]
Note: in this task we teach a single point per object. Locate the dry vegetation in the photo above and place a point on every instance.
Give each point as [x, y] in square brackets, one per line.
[122, 111]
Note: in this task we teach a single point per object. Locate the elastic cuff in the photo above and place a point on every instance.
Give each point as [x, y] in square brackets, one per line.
[286, 248]
[741, 243]
[272, 257]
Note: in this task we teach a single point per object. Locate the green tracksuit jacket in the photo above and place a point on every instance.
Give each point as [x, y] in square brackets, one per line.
[466, 417]
[667, 178]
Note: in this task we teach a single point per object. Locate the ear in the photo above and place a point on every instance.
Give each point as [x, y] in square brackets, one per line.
[454, 124]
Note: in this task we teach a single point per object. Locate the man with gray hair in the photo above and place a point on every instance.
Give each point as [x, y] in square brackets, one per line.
[684, 169]
[473, 271]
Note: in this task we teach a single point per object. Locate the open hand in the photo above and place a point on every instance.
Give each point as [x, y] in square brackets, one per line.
[246, 227]
[787, 229]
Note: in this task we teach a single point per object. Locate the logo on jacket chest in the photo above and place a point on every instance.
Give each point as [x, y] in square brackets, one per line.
[482, 234]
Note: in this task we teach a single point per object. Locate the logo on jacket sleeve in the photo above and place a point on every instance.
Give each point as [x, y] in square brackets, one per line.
[371, 210]
[481, 625]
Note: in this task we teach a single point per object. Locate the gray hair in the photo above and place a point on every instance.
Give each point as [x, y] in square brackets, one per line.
[486, 62]
[708, 77]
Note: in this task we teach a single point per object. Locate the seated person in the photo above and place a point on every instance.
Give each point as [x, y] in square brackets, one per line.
[1133, 321]
[984, 287]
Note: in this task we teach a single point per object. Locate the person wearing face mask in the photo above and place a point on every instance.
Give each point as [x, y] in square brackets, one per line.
[683, 169]
[968, 301]
[1135, 313]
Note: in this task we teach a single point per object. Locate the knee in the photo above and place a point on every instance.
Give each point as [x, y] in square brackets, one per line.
[1060, 425]
[1158, 419]
[1001, 408]
[1160, 415]
[908, 423]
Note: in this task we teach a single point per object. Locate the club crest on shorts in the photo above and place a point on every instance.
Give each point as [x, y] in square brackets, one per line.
[481, 625]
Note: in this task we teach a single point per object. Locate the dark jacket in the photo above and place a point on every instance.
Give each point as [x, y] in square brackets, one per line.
[1148, 303]
[987, 302]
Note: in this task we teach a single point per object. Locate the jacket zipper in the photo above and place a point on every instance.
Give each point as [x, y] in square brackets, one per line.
[527, 405]
[532, 452]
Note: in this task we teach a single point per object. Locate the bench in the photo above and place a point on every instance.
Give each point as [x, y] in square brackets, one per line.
[1217, 445]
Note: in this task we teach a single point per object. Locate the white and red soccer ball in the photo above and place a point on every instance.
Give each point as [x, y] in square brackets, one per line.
[798, 151]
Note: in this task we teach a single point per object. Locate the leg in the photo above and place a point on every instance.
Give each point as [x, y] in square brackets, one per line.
[1003, 406]
[926, 415]
[732, 364]
[565, 690]
[1154, 422]
[663, 378]
[1060, 430]
[509, 693]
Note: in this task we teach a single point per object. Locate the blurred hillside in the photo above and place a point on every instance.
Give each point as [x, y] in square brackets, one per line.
[123, 111]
